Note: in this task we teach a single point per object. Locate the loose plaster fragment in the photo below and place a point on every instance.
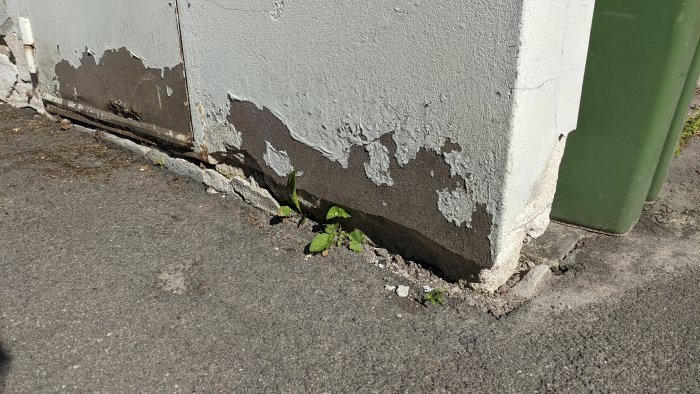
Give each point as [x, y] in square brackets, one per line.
[378, 167]
[8, 77]
[402, 291]
[17, 48]
[277, 160]
[256, 196]
[532, 282]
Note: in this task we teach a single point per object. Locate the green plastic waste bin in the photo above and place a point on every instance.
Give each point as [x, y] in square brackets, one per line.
[677, 126]
[639, 57]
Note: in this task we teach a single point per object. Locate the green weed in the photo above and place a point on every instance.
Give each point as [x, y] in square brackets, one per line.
[435, 297]
[334, 235]
[691, 128]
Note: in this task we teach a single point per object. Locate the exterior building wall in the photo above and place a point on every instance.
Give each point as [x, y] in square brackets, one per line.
[439, 125]
[442, 123]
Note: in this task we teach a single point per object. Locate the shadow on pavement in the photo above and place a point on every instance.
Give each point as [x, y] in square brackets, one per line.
[5, 360]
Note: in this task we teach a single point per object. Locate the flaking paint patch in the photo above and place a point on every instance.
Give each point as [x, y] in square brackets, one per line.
[457, 206]
[384, 213]
[277, 8]
[410, 134]
[378, 167]
[122, 84]
[102, 26]
[277, 160]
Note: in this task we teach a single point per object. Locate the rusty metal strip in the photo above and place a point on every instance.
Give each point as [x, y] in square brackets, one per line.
[83, 119]
[101, 118]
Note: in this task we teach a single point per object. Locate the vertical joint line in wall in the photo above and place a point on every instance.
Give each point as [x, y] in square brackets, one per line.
[184, 63]
[561, 62]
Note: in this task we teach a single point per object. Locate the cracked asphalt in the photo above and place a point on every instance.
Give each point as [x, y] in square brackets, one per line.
[118, 276]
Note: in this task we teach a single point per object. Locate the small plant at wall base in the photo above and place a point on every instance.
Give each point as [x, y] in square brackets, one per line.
[286, 211]
[334, 235]
[692, 128]
[435, 297]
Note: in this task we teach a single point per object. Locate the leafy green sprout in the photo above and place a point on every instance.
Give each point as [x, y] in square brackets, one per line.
[691, 129]
[435, 297]
[334, 235]
[286, 211]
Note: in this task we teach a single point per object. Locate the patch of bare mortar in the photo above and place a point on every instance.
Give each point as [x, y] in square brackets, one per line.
[121, 83]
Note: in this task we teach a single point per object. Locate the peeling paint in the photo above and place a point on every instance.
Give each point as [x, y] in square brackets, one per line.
[456, 206]
[378, 167]
[277, 8]
[101, 26]
[277, 160]
[122, 84]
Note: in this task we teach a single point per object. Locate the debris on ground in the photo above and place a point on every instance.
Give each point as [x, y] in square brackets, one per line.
[65, 124]
[532, 282]
[402, 291]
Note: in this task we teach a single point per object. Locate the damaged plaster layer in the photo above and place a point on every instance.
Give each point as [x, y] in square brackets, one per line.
[546, 99]
[320, 89]
[277, 160]
[456, 206]
[120, 83]
[15, 81]
[393, 216]
[69, 28]
[336, 103]
[378, 167]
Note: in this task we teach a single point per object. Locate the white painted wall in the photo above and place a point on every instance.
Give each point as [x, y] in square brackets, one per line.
[551, 65]
[501, 79]
[65, 29]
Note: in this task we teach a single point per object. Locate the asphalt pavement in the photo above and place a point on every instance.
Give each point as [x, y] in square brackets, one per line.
[119, 276]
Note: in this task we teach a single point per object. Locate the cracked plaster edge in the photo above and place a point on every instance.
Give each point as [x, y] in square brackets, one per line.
[532, 220]
[531, 223]
[239, 187]
[21, 94]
